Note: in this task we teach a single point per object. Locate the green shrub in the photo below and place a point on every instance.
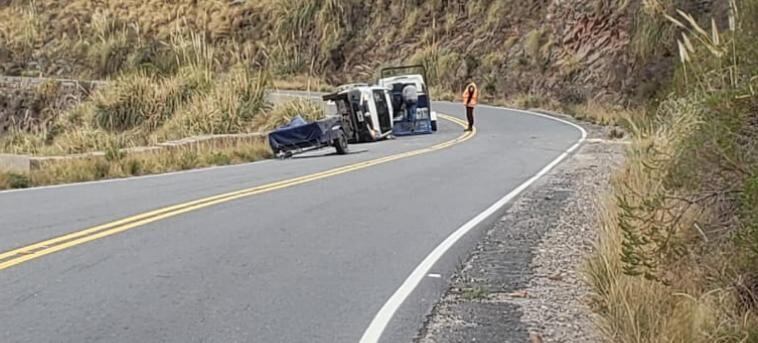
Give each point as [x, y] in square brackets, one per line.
[188, 159]
[219, 159]
[134, 167]
[127, 103]
[475, 293]
[18, 181]
[114, 151]
[101, 170]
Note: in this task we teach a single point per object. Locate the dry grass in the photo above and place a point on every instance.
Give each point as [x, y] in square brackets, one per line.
[676, 257]
[116, 163]
[306, 108]
[601, 113]
[301, 83]
[190, 97]
[292, 38]
[636, 310]
[533, 42]
[231, 106]
[119, 165]
[529, 101]
[686, 307]
[145, 107]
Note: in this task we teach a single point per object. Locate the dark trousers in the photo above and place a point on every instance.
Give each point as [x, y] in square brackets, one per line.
[470, 117]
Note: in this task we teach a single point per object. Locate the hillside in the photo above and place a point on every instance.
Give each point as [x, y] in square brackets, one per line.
[569, 50]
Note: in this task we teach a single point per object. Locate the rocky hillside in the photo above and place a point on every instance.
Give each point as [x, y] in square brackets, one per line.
[570, 50]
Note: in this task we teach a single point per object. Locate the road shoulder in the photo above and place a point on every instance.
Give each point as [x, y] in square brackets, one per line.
[523, 280]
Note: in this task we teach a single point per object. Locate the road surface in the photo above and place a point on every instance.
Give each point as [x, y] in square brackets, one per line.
[310, 261]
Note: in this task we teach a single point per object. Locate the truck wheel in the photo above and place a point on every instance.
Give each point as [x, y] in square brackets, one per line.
[341, 144]
[434, 125]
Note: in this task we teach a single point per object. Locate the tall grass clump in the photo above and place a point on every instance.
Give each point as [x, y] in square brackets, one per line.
[232, 104]
[441, 66]
[146, 101]
[676, 261]
[317, 28]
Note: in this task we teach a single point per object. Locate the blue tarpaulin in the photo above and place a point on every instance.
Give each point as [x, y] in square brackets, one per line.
[299, 134]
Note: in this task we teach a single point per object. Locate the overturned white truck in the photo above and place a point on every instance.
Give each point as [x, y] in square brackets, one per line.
[366, 109]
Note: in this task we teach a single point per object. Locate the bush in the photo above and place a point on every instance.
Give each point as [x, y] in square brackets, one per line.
[188, 160]
[15, 181]
[114, 151]
[134, 167]
[219, 159]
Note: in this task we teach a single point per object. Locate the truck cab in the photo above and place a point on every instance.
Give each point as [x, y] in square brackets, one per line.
[396, 80]
[366, 111]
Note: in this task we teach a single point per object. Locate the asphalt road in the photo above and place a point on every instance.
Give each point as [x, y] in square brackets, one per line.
[313, 262]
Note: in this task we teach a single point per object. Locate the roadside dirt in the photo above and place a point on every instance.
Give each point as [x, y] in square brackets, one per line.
[523, 281]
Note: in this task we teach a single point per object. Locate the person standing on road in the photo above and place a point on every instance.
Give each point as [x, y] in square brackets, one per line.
[470, 99]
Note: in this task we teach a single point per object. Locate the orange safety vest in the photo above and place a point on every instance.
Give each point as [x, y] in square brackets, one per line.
[474, 97]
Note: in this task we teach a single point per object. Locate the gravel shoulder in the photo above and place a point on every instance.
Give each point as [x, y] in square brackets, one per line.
[523, 281]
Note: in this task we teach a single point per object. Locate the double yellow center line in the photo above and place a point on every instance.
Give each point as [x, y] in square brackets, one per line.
[14, 257]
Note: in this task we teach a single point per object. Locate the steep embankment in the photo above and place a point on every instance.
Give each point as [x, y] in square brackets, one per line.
[523, 51]
[571, 50]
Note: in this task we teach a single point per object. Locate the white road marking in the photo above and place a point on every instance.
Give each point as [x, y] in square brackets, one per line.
[375, 330]
[435, 276]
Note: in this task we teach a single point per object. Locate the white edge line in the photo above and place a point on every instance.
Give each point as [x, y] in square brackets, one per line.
[375, 330]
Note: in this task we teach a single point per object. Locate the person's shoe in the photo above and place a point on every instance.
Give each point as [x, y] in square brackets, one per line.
[468, 129]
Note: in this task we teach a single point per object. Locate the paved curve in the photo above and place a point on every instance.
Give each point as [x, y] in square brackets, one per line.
[310, 263]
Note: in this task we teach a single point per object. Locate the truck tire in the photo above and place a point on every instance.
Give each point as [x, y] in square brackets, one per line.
[341, 143]
[434, 125]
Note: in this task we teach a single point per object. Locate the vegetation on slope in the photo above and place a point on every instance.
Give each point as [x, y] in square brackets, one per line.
[679, 248]
[143, 108]
[512, 47]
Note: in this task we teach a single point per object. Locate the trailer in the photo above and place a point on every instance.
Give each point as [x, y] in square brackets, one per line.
[300, 136]
[411, 99]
